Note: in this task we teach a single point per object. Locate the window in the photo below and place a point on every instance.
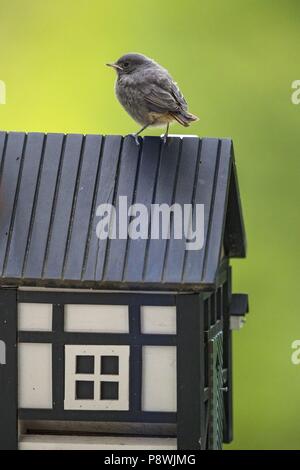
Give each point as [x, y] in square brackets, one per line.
[121, 338]
[96, 377]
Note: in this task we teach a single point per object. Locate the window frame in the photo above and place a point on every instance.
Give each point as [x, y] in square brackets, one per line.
[97, 377]
[135, 339]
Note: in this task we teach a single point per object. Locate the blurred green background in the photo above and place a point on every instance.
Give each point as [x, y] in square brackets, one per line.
[235, 62]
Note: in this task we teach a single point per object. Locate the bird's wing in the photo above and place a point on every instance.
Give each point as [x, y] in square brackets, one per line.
[163, 95]
[178, 95]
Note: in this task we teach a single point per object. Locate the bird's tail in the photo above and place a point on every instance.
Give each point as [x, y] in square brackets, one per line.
[184, 118]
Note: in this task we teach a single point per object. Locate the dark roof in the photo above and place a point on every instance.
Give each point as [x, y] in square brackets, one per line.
[51, 185]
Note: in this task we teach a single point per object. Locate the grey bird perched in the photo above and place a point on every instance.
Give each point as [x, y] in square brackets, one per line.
[149, 94]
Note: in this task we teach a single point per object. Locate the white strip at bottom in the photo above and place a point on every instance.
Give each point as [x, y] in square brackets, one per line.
[47, 442]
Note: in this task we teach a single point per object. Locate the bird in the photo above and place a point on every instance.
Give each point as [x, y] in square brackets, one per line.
[149, 94]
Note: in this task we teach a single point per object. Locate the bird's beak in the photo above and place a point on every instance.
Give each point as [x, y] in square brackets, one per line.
[115, 66]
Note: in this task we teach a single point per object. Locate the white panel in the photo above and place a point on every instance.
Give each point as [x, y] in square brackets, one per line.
[96, 318]
[236, 322]
[35, 317]
[39, 442]
[159, 378]
[158, 320]
[71, 352]
[35, 375]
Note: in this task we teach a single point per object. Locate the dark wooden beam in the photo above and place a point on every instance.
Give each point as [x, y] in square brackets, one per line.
[8, 370]
[190, 372]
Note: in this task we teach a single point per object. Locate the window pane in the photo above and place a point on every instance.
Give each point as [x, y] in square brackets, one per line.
[84, 390]
[85, 364]
[109, 365]
[109, 391]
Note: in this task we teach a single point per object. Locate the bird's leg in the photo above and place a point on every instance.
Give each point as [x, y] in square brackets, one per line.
[136, 135]
[165, 137]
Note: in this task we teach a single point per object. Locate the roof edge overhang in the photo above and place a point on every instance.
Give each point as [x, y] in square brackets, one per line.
[106, 285]
[195, 287]
[235, 240]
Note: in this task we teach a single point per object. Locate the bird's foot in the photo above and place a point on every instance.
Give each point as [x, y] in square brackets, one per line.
[136, 138]
[165, 139]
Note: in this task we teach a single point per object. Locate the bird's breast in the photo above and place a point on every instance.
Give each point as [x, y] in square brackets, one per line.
[132, 100]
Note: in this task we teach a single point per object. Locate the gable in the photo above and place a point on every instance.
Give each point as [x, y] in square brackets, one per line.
[234, 235]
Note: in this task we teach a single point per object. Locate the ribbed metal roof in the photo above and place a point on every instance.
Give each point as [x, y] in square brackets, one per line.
[51, 185]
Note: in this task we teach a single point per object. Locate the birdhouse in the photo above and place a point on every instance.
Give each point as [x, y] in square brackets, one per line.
[113, 337]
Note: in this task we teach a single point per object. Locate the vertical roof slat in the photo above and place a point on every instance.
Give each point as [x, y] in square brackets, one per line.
[9, 184]
[149, 166]
[108, 178]
[59, 230]
[194, 260]
[168, 171]
[32, 164]
[213, 249]
[82, 210]
[188, 171]
[36, 250]
[116, 250]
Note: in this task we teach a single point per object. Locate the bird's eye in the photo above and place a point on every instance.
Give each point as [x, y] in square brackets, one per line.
[125, 64]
